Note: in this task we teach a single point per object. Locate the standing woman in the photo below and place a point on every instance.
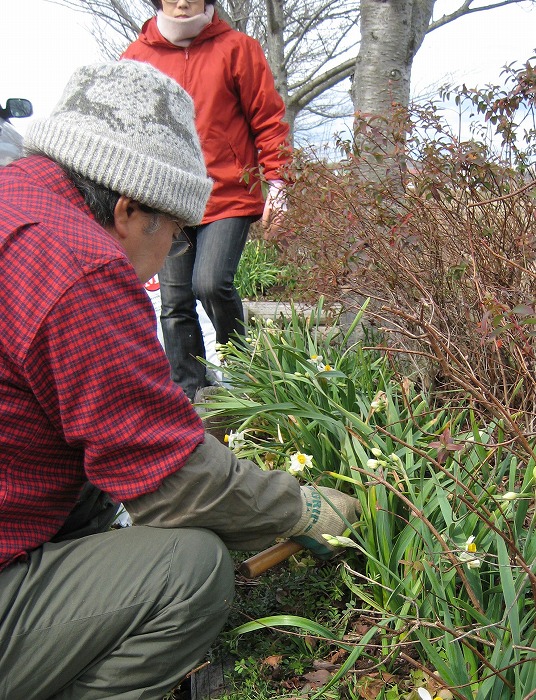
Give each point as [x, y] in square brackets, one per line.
[239, 117]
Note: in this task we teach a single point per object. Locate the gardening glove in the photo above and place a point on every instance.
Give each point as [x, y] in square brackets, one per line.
[274, 206]
[319, 518]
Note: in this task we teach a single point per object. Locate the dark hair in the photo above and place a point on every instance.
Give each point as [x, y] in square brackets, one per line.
[158, 3]
[102, 201]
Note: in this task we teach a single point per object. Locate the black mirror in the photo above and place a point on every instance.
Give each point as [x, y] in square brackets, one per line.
[19, 107]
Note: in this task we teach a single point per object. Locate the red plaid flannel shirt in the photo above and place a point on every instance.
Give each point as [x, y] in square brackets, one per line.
[85, 388]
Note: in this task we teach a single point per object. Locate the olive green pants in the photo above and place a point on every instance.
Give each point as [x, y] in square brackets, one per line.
[124, 614]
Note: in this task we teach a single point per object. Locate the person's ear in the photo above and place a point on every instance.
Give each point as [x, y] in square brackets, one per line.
[126, 214]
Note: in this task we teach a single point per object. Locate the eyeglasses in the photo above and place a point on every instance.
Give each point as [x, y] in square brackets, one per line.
[181, 244]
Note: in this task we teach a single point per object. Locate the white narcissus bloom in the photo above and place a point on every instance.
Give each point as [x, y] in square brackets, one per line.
[318, 361]
[425, 695]
[299, 461]
[235, 440]
[372, 463]
[470, 545]
[474, 563]
[379, 402]
[467, 556]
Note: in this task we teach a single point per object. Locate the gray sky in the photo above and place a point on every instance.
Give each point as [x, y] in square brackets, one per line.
[41, 44]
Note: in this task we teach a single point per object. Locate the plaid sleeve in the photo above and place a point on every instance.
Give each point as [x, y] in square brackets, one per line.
[101, 376]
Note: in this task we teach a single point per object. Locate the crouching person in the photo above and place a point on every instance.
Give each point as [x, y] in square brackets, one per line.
[89, 416]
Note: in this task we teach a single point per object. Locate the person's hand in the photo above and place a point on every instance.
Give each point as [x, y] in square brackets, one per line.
[320, 517]
[274, 208]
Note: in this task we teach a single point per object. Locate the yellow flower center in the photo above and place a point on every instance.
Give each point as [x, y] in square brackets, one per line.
[301, 459]
[471, 547]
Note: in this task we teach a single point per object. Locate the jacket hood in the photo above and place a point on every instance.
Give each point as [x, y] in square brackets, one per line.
[151, 36]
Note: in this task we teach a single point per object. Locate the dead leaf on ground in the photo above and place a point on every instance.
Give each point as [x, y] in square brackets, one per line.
[370, 690]
[273, 661]
[338, 655]
[325, 665]
[316, 679]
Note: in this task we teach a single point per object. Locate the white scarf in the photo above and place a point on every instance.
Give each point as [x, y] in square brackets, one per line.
[181, 32]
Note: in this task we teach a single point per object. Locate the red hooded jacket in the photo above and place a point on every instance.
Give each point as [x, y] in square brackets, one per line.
[238, 110]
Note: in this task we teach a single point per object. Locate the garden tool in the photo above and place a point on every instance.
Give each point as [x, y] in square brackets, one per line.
[261, 562]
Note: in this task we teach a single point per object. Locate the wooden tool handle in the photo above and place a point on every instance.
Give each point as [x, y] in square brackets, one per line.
[259, 563]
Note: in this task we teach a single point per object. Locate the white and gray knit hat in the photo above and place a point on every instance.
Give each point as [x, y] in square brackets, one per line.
[128, 127]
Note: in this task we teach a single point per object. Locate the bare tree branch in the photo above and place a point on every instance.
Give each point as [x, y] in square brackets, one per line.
[467, 9]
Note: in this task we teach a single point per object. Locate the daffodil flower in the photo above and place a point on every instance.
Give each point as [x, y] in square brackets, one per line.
[425, 695]
[380, 402]
[318, 361]
[474, 563]
[470, 545]
[467, 556]
[299, 461]
[235, 440]
[372, 463]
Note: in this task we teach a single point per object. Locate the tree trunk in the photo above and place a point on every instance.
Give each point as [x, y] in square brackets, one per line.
[275, 47]
[392, 32]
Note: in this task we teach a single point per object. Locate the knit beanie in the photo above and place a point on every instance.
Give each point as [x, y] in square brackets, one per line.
[130, 128]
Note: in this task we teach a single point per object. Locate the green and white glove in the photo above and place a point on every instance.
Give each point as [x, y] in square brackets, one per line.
[320, 518]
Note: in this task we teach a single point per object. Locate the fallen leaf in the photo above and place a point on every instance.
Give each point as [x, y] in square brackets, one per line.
[338, 656]
[316, 679]
[371, 690]
[273, 661]
[325, 665]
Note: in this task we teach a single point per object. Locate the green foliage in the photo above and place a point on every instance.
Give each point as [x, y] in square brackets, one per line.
[260, 269]
[286, 382]
[443, 556]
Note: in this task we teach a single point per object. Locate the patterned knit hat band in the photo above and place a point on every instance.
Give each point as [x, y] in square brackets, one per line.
[130, 128]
